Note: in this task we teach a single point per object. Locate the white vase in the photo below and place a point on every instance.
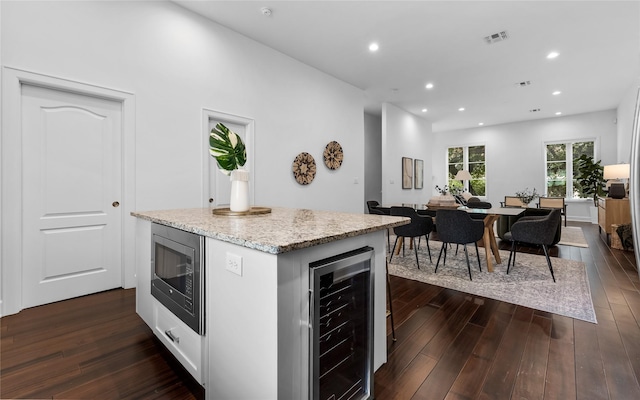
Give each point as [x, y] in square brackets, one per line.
[239, 201]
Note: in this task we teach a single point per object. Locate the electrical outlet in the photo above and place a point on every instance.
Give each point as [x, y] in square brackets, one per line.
[234, 263]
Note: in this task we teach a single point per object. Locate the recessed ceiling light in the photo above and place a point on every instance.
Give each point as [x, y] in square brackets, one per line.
[552, 55]
[461, 109]
[480, 123]
[424, 110]
[429, 85]
[374, 47]
[557, 92]
[559, 113]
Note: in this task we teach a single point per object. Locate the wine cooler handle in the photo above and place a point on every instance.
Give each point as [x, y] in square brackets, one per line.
[311, 309]
[171, 336]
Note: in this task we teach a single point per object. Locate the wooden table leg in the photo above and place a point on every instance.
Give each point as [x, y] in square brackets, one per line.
[490, 244]
[399, 245]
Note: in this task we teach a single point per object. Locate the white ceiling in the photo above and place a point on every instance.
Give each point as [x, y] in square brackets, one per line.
[443, 42]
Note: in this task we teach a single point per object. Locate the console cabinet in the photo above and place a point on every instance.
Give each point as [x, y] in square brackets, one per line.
[613, 212]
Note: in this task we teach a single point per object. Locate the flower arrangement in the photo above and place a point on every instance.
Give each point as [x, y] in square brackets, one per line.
[444, 190]
[527, 196]
[230, 154]
[227, 149]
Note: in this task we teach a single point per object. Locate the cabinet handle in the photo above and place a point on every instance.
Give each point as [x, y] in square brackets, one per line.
[171, 336]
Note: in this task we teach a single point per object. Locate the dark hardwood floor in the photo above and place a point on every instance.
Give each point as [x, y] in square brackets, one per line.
[91, 347]
[450, 345]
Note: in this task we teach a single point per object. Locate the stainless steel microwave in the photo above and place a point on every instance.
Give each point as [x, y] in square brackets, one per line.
[177, 278]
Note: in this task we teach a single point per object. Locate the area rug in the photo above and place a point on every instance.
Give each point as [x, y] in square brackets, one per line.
[528, 284]
[573, 236]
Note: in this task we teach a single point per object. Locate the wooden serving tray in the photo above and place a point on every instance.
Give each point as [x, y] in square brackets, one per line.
[252, 211]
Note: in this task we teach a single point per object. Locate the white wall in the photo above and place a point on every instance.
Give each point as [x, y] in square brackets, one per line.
[404, 135]
[515, 151]
[625, 111]
[176, 63]
[372, 158]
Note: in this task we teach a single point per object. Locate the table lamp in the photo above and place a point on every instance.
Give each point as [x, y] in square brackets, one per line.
[613, 174]
[463, 175]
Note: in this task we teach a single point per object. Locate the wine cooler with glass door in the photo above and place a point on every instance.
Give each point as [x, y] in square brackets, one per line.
[341, 329]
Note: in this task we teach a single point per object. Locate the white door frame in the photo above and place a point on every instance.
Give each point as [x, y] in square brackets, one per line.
[11, 245]
[209, 115]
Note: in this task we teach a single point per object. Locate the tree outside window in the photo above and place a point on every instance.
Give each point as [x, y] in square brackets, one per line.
[471, 158]
[561, 162]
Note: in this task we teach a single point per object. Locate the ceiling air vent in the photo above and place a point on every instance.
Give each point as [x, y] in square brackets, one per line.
[496, 37]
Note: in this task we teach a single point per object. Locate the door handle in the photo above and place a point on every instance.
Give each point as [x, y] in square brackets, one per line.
[115, 204]
[210, 199]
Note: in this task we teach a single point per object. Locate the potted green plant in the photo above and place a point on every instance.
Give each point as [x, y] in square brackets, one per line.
[589, 178]
[230, 153]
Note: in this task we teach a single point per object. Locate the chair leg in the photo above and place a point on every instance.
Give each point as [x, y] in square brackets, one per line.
[443, 248]
[393, 327]
[457, 245]
[394, 248]
[511, 253]
[415, 248]
[546, 253]
[428, 248]
[478, 255]
[466, 254]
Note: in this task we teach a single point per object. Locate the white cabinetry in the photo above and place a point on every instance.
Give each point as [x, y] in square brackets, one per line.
[183, 342]
[257, 322]
[256, 342]
[187, 346]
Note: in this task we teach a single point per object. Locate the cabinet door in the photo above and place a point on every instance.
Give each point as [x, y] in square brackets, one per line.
[182, 341]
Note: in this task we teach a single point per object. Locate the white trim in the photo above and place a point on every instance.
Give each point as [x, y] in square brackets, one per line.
[634, 180]
[207, 116]
[569, 153]
[11, 173]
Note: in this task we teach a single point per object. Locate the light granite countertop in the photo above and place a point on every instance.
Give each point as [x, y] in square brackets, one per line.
[281, 231]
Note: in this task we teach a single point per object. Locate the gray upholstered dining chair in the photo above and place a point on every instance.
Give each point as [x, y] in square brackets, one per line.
[457, 226]
[418, 227]
[538, 231]
[482, 205]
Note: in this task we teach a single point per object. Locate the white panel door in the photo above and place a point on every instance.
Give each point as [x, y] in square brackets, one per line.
[71, 183]
[219, 182]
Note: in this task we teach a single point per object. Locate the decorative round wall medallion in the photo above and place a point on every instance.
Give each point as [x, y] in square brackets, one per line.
[304, 168]
[333, 155]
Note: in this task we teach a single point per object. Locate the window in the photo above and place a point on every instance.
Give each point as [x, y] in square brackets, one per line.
[560, 163]
[472, 159]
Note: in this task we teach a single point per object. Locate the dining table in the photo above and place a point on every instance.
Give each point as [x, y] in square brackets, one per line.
[489, 238]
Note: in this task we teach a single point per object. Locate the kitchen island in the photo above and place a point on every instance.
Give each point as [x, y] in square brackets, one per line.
[256, 341]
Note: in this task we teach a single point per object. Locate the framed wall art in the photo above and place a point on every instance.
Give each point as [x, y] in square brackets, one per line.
[407, 172]
[418, 173]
